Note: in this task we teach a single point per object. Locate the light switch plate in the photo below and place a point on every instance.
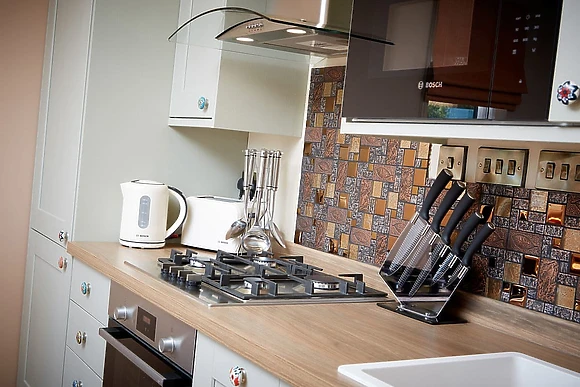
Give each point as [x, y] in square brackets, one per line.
[501, 166]
[564, 169]
[454, 159]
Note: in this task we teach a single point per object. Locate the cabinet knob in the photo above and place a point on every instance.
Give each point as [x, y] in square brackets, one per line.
[202, 103]
[85, 288]
[237, 376]
[81, 337]
[120, 313]
[62, 262]
[77, 383]
[166, 345]
[568, 92]
[62, 235]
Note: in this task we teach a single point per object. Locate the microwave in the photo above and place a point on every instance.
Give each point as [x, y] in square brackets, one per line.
[480, 62]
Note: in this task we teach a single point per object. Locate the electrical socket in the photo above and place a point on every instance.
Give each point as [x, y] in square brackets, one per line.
[559, 171]
[501, 166]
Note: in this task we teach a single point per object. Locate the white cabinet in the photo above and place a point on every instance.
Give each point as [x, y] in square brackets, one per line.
[231, 86]
[60, 117]
[213, 362]
[567, 64]
[77, 373]
[44, 314]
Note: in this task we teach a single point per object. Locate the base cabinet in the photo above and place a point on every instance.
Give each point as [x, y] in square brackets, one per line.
[77, 373]
[213, 362]
[44, 316]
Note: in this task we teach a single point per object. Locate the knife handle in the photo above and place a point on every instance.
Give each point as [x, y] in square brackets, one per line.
[480, 237]
[441, 181]
[450, 197]
[464, 204]
[467, 228]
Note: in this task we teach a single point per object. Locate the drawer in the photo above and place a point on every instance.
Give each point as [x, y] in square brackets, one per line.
[213, 362]
[90, 290]
[76, 370]
[92, 347]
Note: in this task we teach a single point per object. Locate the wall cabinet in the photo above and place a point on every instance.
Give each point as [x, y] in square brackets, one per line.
[231, 86]
[213, 362]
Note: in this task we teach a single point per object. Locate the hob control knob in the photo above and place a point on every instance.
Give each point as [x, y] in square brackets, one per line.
[120, 313]
[237, 376]
[568, 92]
[166, 345]
[77, 383]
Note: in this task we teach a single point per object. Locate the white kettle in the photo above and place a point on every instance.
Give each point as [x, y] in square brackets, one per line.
[144, 215]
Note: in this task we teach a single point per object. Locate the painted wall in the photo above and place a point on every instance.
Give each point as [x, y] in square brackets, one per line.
[22, 29]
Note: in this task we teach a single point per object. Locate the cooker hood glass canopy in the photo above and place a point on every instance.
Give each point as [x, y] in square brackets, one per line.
[240, 28]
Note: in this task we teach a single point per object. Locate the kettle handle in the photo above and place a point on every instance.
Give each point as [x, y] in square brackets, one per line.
[177, 194]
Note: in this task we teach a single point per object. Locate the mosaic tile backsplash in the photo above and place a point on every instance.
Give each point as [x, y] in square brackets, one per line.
[358, 192]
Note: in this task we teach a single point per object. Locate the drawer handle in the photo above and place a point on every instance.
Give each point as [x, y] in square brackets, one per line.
[202, 103]
[62, 262]
[85, 288]
[237, 376]
[77, 383]
[81, 337]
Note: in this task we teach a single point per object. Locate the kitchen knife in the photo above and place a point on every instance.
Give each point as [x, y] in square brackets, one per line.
[432, 235]
[442, 248]
[416, 227]
[465, 264]
[466, 230]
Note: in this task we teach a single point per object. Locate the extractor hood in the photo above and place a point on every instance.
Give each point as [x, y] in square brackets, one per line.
[319, 27]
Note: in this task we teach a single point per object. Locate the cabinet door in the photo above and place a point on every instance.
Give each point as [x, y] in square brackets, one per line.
[197, 62]
[213, 362]
[61, 117]
[44, 313]
[567, 64]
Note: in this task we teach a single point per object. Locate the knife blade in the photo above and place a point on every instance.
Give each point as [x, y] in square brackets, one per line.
[416, 228]
[425, 244]
[452, 256]
[442, 248]
[465, 263]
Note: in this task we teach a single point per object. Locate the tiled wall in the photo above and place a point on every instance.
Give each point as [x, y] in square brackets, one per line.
[357, 193]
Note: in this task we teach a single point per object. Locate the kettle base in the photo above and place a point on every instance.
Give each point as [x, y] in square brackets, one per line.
[142, 245]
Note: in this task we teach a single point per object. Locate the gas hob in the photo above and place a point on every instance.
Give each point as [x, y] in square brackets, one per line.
[231, 279]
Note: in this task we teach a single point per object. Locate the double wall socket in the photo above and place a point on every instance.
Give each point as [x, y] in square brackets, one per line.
[501, 166]
[559, 171]
[453, 158]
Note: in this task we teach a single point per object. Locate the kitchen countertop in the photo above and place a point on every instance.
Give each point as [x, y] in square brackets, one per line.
[304, 344]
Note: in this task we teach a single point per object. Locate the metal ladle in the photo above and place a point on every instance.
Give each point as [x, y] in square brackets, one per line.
[256, 240]
[238, 227]
[272, 188]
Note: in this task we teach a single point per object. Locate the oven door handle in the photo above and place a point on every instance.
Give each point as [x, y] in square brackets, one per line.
[131, 356]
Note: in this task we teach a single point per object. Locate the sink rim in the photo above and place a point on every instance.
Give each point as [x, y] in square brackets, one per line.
[357, 372]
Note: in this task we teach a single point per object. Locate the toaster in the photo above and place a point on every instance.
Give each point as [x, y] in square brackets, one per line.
[208, 220]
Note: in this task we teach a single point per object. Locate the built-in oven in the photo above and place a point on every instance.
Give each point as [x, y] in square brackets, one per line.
[452, 60]
[146, 346]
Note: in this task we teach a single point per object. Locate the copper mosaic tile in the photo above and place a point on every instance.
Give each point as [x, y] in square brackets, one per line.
[571, 240]
[547, 280]
[565, 296]
[538, 200]
[358, 192]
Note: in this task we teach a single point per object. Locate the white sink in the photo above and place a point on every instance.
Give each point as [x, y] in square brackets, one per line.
[505, 369]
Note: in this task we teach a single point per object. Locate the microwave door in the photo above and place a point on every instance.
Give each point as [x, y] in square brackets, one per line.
[440, 66]
[525, 58]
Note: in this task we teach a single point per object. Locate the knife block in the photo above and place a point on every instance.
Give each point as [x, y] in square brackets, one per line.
[428, 303]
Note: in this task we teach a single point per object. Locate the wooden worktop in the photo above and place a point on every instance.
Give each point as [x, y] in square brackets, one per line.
[305, 344]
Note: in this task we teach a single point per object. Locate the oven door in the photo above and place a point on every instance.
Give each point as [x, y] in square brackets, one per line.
[452, 59]
[131, 362]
